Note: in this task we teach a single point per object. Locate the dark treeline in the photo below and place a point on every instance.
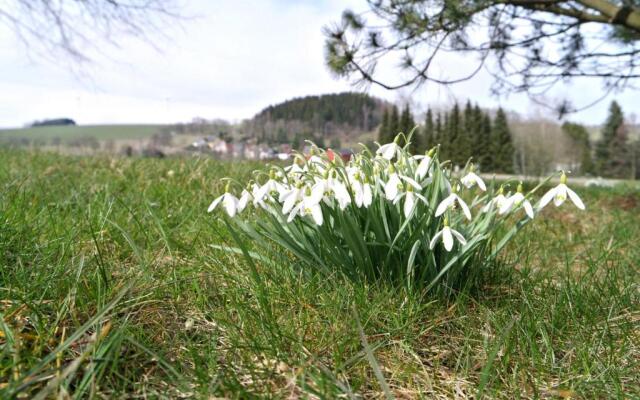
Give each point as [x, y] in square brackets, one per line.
[462, 134]
[53, 122]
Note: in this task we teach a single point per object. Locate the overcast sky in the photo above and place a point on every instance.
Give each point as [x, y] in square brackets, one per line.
[230, 61]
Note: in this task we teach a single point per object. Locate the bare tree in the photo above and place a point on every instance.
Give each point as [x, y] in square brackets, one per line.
[73, 28]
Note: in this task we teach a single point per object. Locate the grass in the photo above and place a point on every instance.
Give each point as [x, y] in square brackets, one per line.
[109, 287]
[66, 133]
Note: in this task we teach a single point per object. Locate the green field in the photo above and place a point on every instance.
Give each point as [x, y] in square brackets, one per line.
[109, 288]
[66, 133]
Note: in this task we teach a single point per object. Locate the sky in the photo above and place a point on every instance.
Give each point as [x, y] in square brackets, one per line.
[228, 60]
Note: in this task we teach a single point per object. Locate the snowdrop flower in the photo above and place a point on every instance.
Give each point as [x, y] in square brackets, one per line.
[272, 185]
[341, 194]
[425, 163]
[471, 179]
[410, 200]
[447, 234]
[330, 185]
[245, 196]
[289, 197]
[389, 150]
[559, 195]
[450, 201]
[515, 201]
[229, 202]
[497, 201]
[391, 186]
[362, 193]
[309, 205]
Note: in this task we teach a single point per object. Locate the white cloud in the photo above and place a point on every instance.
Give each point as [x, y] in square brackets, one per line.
[230, 61]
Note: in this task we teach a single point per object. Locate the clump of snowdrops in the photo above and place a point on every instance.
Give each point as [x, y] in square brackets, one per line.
[389, 215]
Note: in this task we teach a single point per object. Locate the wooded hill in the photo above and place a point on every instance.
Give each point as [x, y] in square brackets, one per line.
[322, 118]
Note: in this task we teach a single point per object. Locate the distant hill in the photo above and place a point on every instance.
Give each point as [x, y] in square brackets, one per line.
[341, 116]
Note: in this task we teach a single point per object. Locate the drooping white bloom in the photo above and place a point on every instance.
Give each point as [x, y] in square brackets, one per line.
[272, 185]
[329, 185]
[515, 201]
[391, 186]
[471, 179]
[497, 201]
[229, 202]
[362, 193]
[450, 201]
[424, 164]
[389, 150]
[447, 234]
[289, 197]
[559, 195]
[245, 196]
[410, 200]
[341, 194]
[309, 205]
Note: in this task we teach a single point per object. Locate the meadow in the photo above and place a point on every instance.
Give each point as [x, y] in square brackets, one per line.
[68, 133]
[113, 284]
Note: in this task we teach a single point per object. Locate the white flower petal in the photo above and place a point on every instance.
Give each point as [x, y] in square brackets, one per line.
[561, 195]
[411, 182]
[215, 203]
[434, 240]
[528, 209]
[294, 212]
[423, 167]
[459, 236]
[547, 198]
[316, 214]
[367, 195]
[447, 238]
[244, 199]
[317, 191]
[290, 202]
[391, 187]
[575, 199]
[465, 208]
[444, 204]
[409, 204]
[230, 203]
[481, 184]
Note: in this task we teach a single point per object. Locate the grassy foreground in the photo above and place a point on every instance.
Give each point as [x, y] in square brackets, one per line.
[109, 287]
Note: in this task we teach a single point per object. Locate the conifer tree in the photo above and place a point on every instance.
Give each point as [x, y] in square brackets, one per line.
[580, 136]
[482, 138]
[429, 133]
[437, 132]
[407, 124]
[612, 158]
[383, 130]
[502, 144]
[453, 133]
[466, 134]
[445, 138]
[485, 129]
[394, 124]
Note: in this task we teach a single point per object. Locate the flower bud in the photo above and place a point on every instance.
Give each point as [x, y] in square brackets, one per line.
[563, 178]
